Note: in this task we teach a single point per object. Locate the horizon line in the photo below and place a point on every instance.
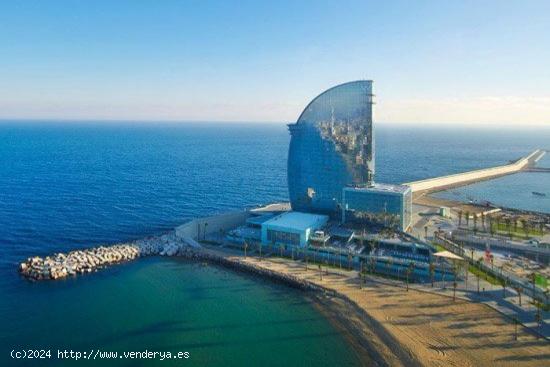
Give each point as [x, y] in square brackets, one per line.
[4, 120]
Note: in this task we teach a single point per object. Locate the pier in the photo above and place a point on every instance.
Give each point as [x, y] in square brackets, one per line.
[461, 179]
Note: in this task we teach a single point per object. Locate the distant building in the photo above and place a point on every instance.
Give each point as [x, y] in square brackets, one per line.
[331, 147]
[391, 205]
[291, 228]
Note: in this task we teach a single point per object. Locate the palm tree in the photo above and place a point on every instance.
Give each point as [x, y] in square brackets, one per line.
[373, 258]
[467, 214]
[477, 273]
[538, 305]
[466, 275]
[398, 270]
[360, 272]
[409, 270]
[516, 322]
[483, 220]
[443, 272]
[455, 272]
[475, 223]
[525, 225]
[459, 218]
[432, 272]
[518, 290]
[491, 228]
[508, 223]
[390, 264]
[533, 278]
[394, 223]
[503, 282]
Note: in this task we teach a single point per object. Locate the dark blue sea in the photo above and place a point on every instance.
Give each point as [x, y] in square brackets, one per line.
[73, 185]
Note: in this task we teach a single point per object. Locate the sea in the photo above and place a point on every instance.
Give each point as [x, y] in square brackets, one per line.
[72, 184]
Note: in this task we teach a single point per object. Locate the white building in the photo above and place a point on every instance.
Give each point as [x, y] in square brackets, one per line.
[291, 228]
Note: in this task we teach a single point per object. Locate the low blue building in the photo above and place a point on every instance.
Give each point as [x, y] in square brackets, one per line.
[291, 228]
[388, 203]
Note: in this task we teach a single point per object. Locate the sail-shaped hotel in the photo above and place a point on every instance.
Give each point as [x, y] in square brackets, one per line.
[331, 168]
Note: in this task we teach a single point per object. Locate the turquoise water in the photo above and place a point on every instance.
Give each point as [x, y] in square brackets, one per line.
[220, 317]
[76, 185]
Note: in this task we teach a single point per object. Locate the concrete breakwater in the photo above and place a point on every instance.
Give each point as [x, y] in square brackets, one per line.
[461, 179]
[83, 261]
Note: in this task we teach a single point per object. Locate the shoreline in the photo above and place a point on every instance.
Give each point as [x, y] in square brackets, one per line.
[366, 335]
[384, 324]
[386, 337]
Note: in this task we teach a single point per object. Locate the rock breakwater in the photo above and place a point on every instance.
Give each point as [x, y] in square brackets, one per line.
[62, 265]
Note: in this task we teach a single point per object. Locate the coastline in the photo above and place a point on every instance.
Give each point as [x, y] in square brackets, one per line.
[404, 328]
[363, 333]
[386, 325]
[368, 337]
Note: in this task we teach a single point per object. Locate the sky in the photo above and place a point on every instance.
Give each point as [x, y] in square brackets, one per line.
[432, 62]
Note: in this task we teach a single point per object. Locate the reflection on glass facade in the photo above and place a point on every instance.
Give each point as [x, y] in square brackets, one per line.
[331, 147]
[283, 237]
[390, 205]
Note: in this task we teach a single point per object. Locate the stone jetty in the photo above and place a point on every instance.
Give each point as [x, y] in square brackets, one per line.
[83, 261]
[61, 265]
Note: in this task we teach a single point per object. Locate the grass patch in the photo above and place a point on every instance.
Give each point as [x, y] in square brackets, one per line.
[483, 275]
[438, 247]
[518, 232]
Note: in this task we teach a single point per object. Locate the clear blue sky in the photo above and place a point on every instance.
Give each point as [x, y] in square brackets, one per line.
[432, 61]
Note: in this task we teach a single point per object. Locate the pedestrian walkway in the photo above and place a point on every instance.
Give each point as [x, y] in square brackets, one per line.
[506, 302]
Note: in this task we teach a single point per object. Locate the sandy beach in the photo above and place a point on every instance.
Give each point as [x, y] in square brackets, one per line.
[390, 326]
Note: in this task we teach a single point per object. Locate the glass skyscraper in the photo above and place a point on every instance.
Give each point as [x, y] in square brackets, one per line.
[331, 147]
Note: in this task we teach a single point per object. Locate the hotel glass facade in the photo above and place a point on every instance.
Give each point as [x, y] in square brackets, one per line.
[387, 204]
[331, 147]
